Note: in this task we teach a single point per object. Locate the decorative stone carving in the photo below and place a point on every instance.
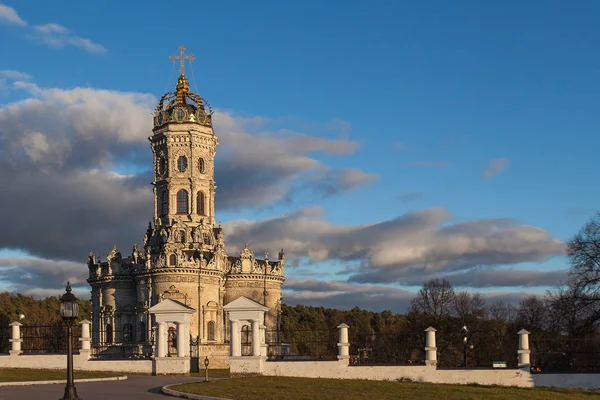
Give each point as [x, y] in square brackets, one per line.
[113, 256]
[161, 261]
[174, 294]
[136, 255]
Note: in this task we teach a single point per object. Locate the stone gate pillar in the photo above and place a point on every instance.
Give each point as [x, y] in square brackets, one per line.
[15, 341]
[430, 347]
[523, 352]
[85, 334]
[343, 345]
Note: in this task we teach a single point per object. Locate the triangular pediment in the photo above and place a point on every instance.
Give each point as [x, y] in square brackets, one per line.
[245, 304]
[171, 306]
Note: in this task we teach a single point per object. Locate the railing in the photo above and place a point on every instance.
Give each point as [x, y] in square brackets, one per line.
[48, 339]
[299, 344]
[565, 354]
[387, 348]
[5, 333]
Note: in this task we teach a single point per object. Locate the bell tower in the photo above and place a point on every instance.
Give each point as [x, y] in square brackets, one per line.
[184, 146]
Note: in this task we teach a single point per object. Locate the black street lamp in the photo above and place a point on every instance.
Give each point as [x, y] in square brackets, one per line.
[69, 310]
[206, 362]
[466, 345]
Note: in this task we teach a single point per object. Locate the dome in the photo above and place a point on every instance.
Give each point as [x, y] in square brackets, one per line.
[182, 106]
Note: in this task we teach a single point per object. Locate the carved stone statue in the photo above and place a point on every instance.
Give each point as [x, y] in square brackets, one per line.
[113, 256]
[136, 255]
[197, 234]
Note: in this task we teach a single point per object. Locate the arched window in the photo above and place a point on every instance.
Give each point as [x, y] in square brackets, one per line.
[172, 259]
[127, 333]
[201, 165]
[142, 331]
[182, 163]
[211, 330]
[109, 333]
[164, 203]
[246, 340]
[200, 203]
[182, 202]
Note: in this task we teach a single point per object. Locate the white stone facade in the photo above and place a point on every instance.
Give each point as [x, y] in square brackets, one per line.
[183, 256]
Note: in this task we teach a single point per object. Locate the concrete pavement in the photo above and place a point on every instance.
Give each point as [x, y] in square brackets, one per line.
[135, 387]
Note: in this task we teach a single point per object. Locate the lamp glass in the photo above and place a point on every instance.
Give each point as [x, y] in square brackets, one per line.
[69, 309]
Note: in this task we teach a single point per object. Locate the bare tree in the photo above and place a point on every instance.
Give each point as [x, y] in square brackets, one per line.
[535, 315]
[581, 296]
[435, 298]
[500, 310]
[468, 306]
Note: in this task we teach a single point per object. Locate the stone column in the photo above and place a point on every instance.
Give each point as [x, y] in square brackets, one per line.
[343, 345]
[256, 338]
[523, 351]
[161, 340]
[235, 341]
[15, 341]
[181, 345]
[430, 347]
[85, 334]
[263, 340]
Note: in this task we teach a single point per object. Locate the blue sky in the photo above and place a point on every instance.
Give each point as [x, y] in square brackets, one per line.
[433, 94]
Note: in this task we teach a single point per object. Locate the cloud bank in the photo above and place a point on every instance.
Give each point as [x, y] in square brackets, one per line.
[76, 171]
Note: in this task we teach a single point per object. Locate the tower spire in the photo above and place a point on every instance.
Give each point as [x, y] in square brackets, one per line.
[181, 58]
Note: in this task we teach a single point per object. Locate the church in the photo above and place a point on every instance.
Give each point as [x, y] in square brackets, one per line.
[183, 256]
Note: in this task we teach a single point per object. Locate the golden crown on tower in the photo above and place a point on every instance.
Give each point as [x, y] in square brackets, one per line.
[182, 105]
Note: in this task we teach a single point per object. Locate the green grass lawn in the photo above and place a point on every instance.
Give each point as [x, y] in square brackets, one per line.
[22, 375]
[213, 373]
[276, 388]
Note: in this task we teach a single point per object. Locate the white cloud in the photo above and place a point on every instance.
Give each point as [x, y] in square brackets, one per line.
[495, 167]
[8, 15]
[55, 35]
[51, 34]
[417, 243]
[14, 75]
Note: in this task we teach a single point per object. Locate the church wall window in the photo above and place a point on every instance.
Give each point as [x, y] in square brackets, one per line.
[164, 203]
[172, 259]
[211, 330]
[109, 333]
[127, 333]
[182, 202]
[201, 165]
[200, 201]
[182, 163]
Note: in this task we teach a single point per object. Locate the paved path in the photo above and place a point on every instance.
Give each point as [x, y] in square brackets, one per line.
[133, 388]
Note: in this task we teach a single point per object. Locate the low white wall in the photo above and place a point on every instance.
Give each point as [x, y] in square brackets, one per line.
[417, 373]
[247, 366]
[82, 362]
[571, 381]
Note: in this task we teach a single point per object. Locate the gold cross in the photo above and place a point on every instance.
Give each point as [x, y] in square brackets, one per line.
[182, 58]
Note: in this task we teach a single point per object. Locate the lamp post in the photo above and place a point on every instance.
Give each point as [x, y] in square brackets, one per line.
[206, 362]
[69, 310]
[466, 345]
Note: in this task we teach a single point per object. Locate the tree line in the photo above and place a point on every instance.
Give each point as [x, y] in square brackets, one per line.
[564, 321]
